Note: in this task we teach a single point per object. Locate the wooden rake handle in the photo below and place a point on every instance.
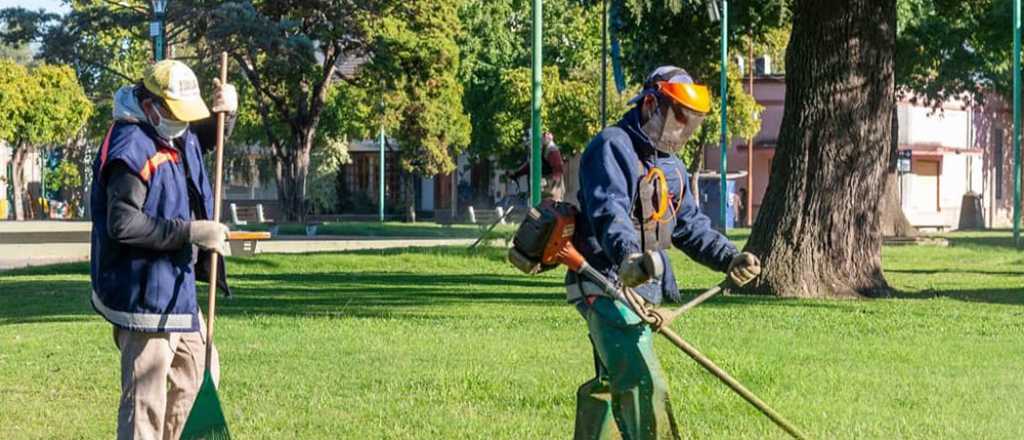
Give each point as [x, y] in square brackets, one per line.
[217, 202]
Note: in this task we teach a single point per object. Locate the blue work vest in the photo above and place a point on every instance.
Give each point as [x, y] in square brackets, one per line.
[143, 289]
[611, 170]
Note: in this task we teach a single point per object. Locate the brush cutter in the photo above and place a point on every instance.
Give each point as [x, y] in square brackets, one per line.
[544, 241]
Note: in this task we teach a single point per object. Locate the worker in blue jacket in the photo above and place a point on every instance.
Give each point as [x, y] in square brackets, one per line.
[635, 198]
[152, 205]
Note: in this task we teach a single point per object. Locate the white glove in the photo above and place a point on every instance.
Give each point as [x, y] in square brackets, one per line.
[209, 235]
[744, 268]
[631, 271]
[225, 98]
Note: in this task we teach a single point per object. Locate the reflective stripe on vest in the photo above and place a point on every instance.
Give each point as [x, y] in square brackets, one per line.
[165, 323]
[162, 156]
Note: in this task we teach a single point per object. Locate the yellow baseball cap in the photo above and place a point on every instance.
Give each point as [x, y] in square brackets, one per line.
[175, 83]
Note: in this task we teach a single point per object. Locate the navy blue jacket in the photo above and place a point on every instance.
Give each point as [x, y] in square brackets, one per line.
[610, 171]
[135, 287]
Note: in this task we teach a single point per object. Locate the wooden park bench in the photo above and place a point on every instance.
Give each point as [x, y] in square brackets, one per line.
[245, 215]
[244, 243]
[486, 217]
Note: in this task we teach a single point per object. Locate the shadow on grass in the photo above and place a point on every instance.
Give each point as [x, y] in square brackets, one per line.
[990, 296]
[360, 294]
[982, 241]
[955, 271]
[46, 294]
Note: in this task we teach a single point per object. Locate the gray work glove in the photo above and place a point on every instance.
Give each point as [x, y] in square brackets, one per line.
[743, 268]
[632, 272]
[225, 98]
[209, 235]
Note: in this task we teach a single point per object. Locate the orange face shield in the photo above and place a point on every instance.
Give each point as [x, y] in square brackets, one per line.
[692, 96]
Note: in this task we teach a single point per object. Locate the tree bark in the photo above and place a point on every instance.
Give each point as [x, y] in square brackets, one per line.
[18, 180]
[819, 231]
[292, 169]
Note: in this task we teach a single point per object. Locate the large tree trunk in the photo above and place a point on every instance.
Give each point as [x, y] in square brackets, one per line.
[819, 232]
[292, 170]
[18, 181]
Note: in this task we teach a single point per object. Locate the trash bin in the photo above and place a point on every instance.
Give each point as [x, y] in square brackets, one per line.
[972, 215]
[709, 189]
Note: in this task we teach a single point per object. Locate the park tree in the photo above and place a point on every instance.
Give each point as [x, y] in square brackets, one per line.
[496, 51]
[818, 231]
[41, 107]
[105, 43]
[416, 62]
[289, 53]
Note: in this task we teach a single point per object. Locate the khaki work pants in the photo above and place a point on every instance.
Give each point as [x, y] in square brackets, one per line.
[160, 376]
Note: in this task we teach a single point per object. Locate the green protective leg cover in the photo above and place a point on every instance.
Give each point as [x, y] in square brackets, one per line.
[594, 419]
[630, 383]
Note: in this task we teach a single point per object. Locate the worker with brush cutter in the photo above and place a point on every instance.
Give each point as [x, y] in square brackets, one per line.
[635, 201]
[151, 204]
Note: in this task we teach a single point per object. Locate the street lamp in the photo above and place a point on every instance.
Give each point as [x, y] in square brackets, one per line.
[1016, 123]
[536, 102]
[156, 28]
[714, 14]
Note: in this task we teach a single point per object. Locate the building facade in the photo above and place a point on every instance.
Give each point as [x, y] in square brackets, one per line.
[954, 150]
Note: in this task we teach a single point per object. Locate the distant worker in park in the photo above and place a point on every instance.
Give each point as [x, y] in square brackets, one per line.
[552, 186]
[151, 205]
[634, 198]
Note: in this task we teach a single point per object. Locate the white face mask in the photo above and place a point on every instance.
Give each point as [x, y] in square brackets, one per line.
[167, 128]
[667, 132]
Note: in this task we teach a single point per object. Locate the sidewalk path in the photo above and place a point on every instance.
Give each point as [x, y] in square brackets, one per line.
[39, 243]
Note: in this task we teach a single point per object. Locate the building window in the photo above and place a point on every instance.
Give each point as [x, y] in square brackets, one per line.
[997, 159]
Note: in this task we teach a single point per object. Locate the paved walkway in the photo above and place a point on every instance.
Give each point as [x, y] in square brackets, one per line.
[38, 243]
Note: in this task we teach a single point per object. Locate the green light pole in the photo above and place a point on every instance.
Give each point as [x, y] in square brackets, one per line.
[535, 132]
[157, 29]
[604, 63]
[381, 201]
[724, 91]
[380, 198]
[1016, 122]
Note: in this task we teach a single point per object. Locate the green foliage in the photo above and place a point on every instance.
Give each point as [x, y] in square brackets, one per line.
[651, 36]
[571, 110]
[645, 25]
[497, 47]
[57, 106]
[416, 56]
[950, 50]
[323, 175]
[13, 102]
[65, 176]
[104, 42]
[41, 106]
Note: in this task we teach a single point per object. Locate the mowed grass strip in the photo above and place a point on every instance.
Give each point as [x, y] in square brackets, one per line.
[443, 343]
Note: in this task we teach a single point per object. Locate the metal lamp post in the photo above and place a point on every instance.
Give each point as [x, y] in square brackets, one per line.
[724, 90]
[382, 188]
[714, 14]
[1016, 122]
[535, 106]
[156, 29]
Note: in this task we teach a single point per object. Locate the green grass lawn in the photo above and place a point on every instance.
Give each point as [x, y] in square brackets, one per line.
[443, 344]
[387, 229]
